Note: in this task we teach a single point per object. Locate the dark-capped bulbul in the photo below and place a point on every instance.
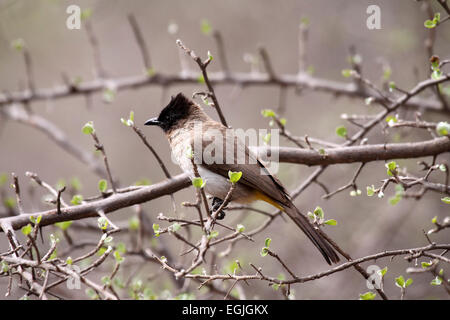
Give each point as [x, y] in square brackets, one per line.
[180, 121]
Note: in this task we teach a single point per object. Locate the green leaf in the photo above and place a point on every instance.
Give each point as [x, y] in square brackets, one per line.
[429, 24]
[33, 219]
[130, 121]
[391, 168]
[434, 220]
[125, 122]
[367, 296]
[394, 200]
[446, 90]
[77, 199]
[331, 222]
[143, 182]
[264, 251]
[53, 238]
[9, 202]
[400, 282]
[206, 27]
[268, 113]
[106, 280]
[175, 227]
[283, 121]
[383, 271]
[109, 95]
[156, 229]
[436, 281]
[198, 183]
[133, 223]
[88, 128]
[102, 223]
[121, 247]
[213, 234]
[392, 165]
[75, 184]
[118, 257]
[266, 138]
[54, 255]
[18, 44]
[151, 72]
[446, 200]
[200, 79]
[437, 17]
[27, 229]
[387, 72]
[69, 260]
[304, 21]
[368, 101]
[392, 86]
[234, 176]
[4, 267]
[102, 185]
[189, 152]
[267, 242]
[370, 191]
[101, 251]
[346, 73]
[436, 74]
[443, 128]
[341, 131]
[319, 212]
[391, 120]
[408, 282]
[240, 228]
[36, 221]
[3, 179]
[64, 225]
[86, 14]
[426, 264]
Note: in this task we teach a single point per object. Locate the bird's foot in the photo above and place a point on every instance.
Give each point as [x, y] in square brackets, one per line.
[216, 203]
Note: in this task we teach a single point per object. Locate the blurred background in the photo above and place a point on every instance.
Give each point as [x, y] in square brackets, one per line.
[366, 225]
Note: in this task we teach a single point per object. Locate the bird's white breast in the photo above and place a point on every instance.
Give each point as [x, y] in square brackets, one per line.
[217, 185]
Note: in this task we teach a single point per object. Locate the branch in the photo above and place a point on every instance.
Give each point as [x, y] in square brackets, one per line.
[364, 153]
[189, 78]
[112, 203]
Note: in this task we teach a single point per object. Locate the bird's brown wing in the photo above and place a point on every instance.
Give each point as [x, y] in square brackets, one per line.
[254, 173]
[256, 176]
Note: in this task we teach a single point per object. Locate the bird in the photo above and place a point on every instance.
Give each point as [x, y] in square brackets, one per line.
[194, 136]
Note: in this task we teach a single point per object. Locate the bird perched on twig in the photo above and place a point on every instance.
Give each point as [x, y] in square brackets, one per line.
[216, 150]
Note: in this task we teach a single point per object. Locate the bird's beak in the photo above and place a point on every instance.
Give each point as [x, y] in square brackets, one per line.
[152, 122]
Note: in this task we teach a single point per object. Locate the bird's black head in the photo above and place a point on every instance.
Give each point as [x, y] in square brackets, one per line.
[179, 108]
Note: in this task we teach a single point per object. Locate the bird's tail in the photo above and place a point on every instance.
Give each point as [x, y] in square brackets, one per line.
[322, 244]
